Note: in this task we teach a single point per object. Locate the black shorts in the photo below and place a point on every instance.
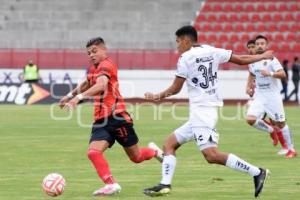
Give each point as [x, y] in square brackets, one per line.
[113, 128]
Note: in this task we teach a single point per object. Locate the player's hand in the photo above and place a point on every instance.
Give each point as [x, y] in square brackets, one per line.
[71, 104]
[250, 91]
[265, 72]
[151, 96]
[63, 101]
[268, 54]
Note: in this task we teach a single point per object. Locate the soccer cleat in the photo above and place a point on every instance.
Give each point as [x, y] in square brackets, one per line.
[158, 190]
[107, 190]
[259, 181]
[291, 154]
[159, 153]
[282, 151]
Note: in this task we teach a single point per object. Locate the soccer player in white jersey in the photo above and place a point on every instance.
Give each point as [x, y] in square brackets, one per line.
[267, 98]
[198, 67]
[275, 133]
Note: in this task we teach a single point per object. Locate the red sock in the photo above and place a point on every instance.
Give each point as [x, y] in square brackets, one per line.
[145, 154]
[101, 166]
[281, 139]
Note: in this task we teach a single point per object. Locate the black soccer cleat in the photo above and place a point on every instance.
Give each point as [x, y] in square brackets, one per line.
[259, 181]
[158, 190]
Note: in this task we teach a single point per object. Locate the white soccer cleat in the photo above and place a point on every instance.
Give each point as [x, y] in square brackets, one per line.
[282, 152]
[159, 153]
[107, 190]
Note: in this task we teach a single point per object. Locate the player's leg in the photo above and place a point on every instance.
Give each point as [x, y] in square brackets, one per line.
[181, 135]
[100, 140]
[138, 155]
[255, 111]
[207, 141]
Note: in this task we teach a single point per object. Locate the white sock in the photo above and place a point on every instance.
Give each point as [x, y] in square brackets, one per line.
[168, 169]
[263, 126]
[236, 163]
[287, 135]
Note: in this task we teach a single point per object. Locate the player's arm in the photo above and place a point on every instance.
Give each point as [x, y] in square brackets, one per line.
[79, 89]
[250, 87]
[248, 59]
[98, 88]
[278, 74]
[172, 90]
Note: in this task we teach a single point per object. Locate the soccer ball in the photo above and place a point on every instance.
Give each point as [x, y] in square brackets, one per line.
[54, 184]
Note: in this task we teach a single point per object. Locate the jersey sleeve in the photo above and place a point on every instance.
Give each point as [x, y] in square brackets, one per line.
[182, 68]
[105, 70]
[276, 65]
[222, 55]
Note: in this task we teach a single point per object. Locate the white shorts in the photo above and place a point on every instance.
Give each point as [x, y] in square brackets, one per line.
[273, 106]
[200, 127]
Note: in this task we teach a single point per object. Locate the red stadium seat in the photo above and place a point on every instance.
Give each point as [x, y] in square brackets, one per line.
[255, 18]
[211, 38]
[277, 17]
[294, 7]
[201, 18]
[233, 38]
[250, 28]
[228, 28]
[271, 28]
[271, 7]
[223, 18]
[267, 18]
[239, 28]
[261, 8]
[296, 47]
[283, 27]
[228, 8]
[283, 7]
[274, 46]
[217, 8]
[240, 47]
[238, 7]
[244, 18]
[211, 18]
[233, 18]
[297, 18]
[245, 37]
[279, 38]
[261, 27]
[291, 37]
[201, 37]
[217, 28]
[207, 8]
[223, 37]
[285, 46]
[228, 46]
[298, 38]
[249, 8]
[205, 27]
[294, 27]
[269, 37]
[288, 17]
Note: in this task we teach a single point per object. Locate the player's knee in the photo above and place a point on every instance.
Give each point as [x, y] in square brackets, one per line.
[211, 157]
[92, 153]
[251, 121]
[136, 159]
[280, 124]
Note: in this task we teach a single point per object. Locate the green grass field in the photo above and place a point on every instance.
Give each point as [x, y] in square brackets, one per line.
[33, 144]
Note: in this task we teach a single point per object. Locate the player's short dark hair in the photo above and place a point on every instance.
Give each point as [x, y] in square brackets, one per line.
[296, 59]
[95, 41]
[189, 31]
[261, 37]
[250, 42]
[285, 62]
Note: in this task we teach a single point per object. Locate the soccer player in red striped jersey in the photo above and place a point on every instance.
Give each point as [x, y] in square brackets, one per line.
[112, 122]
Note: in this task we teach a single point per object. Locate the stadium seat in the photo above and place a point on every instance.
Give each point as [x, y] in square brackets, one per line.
[223, 37]
[269, 37]
[228, 46]
[211, 38]
[240, 47]
[285, 46]
[283, 27]
[277, 17]
[274, 46]
[217, 8]
[207, 8]
[271, 7]
[200, 18]
[288, 17]
[297, 18]
[296, 47]
[217, 28]
[223, 18]
[294, 27]
[298, 38]
[261, 8]
[261, 27]
[282, 7]
[228, 8]
[271, 28]
[266, 17]
[212, 18]
[249, 8]
[255, 17]
[250, 28]
[233, 18]
[291, 37]
[201, 37]
[245, 37]
[233, 38]
[294, 7]
[239, 27]
[228, 28]
[244, 18]
[238, 8]
[278, 37]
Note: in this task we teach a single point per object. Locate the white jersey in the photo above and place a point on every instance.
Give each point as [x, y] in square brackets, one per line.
[266, 85]
[199, 66]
